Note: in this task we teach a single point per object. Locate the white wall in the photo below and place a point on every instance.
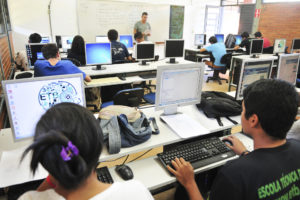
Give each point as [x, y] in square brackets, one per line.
[28, 16]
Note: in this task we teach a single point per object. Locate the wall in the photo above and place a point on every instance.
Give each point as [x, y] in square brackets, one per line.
[280, 21]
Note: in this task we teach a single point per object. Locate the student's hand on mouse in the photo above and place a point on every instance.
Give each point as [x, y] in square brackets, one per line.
[184, 171]
[237, 146]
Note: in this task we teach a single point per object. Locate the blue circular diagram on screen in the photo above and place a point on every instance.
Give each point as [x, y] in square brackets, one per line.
[58, 92]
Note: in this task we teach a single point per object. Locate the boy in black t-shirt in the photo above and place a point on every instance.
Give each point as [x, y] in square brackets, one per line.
[245, 42]
[272, 170]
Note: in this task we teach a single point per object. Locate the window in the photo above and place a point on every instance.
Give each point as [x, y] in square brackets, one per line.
[236, 2]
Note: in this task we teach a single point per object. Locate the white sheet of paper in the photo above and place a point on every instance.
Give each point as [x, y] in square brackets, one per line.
[184, 125]
[13, 172]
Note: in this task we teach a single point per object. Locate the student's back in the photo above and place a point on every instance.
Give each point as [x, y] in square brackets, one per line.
[218, 50]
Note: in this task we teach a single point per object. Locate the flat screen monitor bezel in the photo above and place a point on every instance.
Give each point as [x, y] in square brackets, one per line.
[172, 40]
[97, 63]
[279, 64]
[141, 44]
[275, 43]
[223, 37]
[62, 43]
[44, 78]
[236, 39]
[262, 49]
[293, 45]
[34, 44]
[101, 36]
[204, 39]
[131, 40]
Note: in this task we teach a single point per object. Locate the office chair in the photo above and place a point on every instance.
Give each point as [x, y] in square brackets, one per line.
[230, 41]
[74, 61]
[24, 75]
[226, 59]
[268, 50]
[128, 97]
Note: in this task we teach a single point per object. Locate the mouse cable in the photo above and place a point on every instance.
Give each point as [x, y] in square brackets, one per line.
[141, 155]
[125, 159]
[113, 160]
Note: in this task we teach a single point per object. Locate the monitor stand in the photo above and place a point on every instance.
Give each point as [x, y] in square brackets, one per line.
[172, 61]
[99, 67]
[144, 62]
[254, 56]
[170, 110]
[199, 47]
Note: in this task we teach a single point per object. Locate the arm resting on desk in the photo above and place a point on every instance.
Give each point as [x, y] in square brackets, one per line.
[202, 50]
[88, 78]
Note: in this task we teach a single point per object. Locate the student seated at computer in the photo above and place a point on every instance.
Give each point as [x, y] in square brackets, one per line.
[271, 171]
[53, 65]
[20, 59]
[68, 142]
[218, 50]
[245, 42]
[267, 43]
[118, 50]
[140, 39]
[78, 50]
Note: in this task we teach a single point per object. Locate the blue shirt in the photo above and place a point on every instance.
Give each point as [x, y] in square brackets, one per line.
[118, 51]
[44, 68]
[218, 50]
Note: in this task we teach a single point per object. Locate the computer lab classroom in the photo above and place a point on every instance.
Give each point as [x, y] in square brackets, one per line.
[162, 83]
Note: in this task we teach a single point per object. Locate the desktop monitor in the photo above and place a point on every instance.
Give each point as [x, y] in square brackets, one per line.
[288, 67]
[174, 49]
[220, 37]
[45, 40]
[256, 47]
[252, 71]
[98, 54]
[144, 52]
[178, 85]
[66, 42]
[279, 46]
[127, 40]
[296, 45]
[34, 52]
[28, 99]
[58, 41]
[200, 40]
[102, 39]
[238, 39]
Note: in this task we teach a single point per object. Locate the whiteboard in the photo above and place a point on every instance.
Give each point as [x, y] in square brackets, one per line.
[96, 17]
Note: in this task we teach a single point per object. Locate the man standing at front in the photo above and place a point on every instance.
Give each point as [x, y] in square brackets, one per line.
[143, 26]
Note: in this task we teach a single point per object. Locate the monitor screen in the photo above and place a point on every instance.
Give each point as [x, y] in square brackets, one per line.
[178, 85]
[174, 48]
[98, 53]
[200, 39]
[66, 42]
[256, 46]
[279, 46]
[28, 99]
[45, 40]
[144, 51]
[102, 39]
[220, 37]
[126, 40]
[288, 67]
[296, 44]
[34, 52]
[251, 72]
[238, 39]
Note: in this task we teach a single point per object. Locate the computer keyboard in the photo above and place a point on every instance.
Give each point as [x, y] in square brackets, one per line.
[104, 175]
[199, 153]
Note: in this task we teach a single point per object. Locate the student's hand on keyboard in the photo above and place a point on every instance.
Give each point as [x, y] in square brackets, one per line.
[237, 146]
[184, 172]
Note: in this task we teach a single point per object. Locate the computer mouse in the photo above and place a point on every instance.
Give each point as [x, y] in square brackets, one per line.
[125, 172]
[226, 141]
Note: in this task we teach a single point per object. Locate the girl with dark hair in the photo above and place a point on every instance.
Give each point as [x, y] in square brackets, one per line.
[78, 50]
[68, 144]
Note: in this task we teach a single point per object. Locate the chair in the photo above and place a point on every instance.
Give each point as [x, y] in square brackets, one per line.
[129, 97]
[226, 59]
[24, 75]
[268, 50]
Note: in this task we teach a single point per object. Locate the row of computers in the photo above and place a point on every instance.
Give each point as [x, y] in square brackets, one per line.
[200, 39]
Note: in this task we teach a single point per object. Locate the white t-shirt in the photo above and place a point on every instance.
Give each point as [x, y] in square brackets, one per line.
[133, 190]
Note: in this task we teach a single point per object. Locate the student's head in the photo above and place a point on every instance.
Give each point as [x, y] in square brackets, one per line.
[274, 103]
[112, 35]
[144, 17]
[213, 40]
[245, 35]
[50, 51]
[67, 125]
[35, 38]
[139, 37]
[78, 45]
[258, 34]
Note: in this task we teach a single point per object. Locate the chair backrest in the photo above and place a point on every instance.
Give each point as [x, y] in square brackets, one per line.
[268, 50]
[230, 41]
[129, 97]
[226, 59]
[24, 75]
[73, 60]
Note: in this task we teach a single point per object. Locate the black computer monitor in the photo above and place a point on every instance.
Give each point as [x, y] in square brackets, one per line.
[296, 44]
[200, 40]
[58, 41]
[256, 47]
[34, 52]
[98, 54]
[220, 37]
[144, 52]
[174, 49]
